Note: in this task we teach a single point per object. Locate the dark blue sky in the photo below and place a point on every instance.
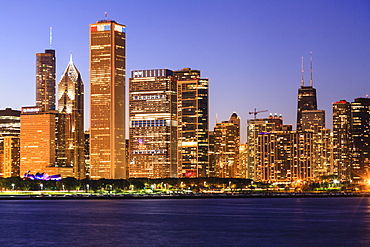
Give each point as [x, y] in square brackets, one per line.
[250, 50]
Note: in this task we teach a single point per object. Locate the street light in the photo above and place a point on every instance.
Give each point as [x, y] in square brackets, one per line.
[13, 186]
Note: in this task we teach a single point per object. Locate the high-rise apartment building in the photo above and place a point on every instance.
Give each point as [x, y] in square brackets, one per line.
[107, 99]
[256, 126]
[192, 118]
[153, 124]
[45, 80]
[226, 147]
[71, 106]
[360, 169]
[342, 139]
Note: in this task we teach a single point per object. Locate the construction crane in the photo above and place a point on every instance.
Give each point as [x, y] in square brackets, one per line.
[255, 112]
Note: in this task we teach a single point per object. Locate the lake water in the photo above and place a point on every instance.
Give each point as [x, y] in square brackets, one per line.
[187, 222]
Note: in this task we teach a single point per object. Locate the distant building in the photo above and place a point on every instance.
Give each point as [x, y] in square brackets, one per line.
[153, 124]
[107, 100]
[226, 147]
[306, 97]
[45, 80]
[71, 106]
[360, 170]
[40, 143]
[9, 142]
[342, 142]
[192, 118]
[256, 126]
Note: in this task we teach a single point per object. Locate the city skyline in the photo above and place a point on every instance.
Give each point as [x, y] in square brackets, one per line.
[231, 44]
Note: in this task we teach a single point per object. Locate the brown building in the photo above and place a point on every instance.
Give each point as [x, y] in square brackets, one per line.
[45, 80]
[153, 124]
[107, 99]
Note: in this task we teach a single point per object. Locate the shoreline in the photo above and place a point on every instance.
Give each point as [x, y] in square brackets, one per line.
[176, 196]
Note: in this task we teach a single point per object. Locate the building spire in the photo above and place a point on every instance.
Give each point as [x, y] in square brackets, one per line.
[51, 37]
[311, 81]
[302, 73]
[70, 58]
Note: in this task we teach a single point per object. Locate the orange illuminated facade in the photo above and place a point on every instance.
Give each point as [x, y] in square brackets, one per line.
[38, 135]
[107, 99]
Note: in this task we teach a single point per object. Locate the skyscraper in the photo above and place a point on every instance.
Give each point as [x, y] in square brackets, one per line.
[342, 139]
[360, 169]
[192, 117]
[107, 99]
[45, 80]
[226, 147]
[153, 124]
[71, 105]
[306, 97]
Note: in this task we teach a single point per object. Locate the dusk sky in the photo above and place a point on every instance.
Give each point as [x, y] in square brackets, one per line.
[250, 50]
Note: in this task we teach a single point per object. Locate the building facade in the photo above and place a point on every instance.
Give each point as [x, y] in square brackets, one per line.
[342, 142]
[71, 106]
[226, 147]
[192, 118]
[107, 100]
[360, 170]
[153, 124]
[45, 80]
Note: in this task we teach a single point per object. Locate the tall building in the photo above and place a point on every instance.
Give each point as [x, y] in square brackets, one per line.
[256, 126]
[153, 124]
[360, 169]
[342, 139]
[192, 118]
[40, 142]
[71, 106]
[107, 99]
[306, 97]
[9, 142]
[45, 80]
[284, 156]
[226, 147]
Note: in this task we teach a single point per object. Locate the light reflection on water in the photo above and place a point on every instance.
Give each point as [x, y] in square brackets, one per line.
[190, 222]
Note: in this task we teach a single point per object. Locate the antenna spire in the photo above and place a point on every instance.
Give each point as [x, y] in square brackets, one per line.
[216, 118]
[106, 15]
[302, 73]
[70, 58]
[311, 81]
[51, 37]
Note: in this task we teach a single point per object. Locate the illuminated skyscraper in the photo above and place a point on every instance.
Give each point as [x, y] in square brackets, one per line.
[153, 124]
[256, 126]
[41, 143]
[71, 106]
[360, 169]
[107, 86]
[9, 142]
[45, 80]
[306, 97]
[342, 139]
[226, 147]
[192, 117]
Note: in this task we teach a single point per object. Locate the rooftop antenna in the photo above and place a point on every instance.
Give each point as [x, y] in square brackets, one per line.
[51, 37]
[302, 73]
[70, 58]
[216, 118]
[311, 82]
[106, 15]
